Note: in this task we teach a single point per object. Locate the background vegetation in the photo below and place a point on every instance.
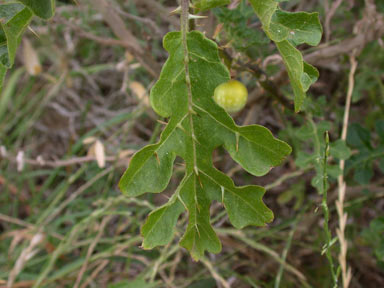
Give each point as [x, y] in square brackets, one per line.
[75, 108]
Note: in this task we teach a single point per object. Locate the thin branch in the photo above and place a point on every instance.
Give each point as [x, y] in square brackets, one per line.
[329, 16]
[63, 163]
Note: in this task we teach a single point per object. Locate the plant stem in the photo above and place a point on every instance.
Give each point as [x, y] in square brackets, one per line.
[184, 27]
[326, 212]
[184, 19]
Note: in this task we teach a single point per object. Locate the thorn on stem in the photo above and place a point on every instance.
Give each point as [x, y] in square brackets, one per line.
[191, 16]
[162, 122]
[175, 12]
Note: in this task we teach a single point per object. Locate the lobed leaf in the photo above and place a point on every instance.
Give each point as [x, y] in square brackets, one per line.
[288, 30]
[197, 126]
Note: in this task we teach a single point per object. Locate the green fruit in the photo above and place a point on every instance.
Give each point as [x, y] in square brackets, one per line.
[231, 96]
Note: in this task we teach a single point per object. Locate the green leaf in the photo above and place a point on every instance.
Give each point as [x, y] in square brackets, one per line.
[333, 171]
[379, 127]
[310, 76]
[41, 8]
[197, 126]
[368, 151]
[200, 235]
[340, 150]
[204, 5]
[373, 236]
[15, 18]
[317, 182]
[264, 10]
[297, 190]
[364, 173]
[9, 10]
[303, 159]
[308, 131]
[159, 227]
[299, 76]
[359, 137]
[288, 30]
[298, 27]
[238, 32]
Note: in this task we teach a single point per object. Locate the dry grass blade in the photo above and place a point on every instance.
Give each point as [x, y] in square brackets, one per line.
[25, 255]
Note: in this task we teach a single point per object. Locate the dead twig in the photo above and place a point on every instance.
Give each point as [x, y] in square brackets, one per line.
[329, 15]
[39, 161]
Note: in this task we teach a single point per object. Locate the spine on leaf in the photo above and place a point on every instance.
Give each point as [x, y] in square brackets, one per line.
[288, 30]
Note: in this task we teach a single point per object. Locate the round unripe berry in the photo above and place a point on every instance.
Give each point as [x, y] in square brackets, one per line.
[231, 96]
